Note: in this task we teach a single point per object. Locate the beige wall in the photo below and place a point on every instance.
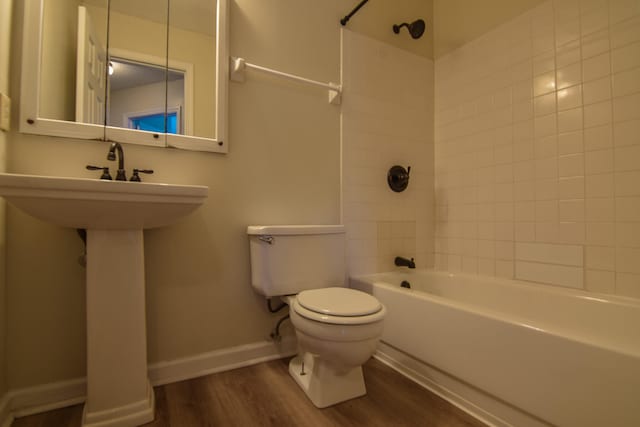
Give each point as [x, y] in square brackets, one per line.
[5, 39]
[283, 167]
[538, 149]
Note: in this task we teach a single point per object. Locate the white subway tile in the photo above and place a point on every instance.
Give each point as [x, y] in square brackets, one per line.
[627, 107]
[547, 211]
[628, 284]
[628, 209]
[570, 97]
[625, 32]
[570, 75]
[570, 143]
[628, 260]
[627, 133]
[504, 250]
[525, 211]
[627, 183]
[571, 233]
[600, 233]
[571, 210]
[597, 138]
[594, 20]
[547, 168]
[626, 82]
[600, 258]
[571, 165]
[596, 67]
[545, 104]
[597, 90]
[599, 185]
[600, 161]
[570, 120]
[547, 189]
[546, 147]
[595, 44]
[620, 10]
[550, 254]
[568, 54]
[486, 266]
[598, 114]
[551, 274]
[600, 210]
[547, 232]
[544, 63]
[627, 158]
[626, 57]
[600, 281]
[567, 31]
[571, 188]
[504, 269]
[544, 83]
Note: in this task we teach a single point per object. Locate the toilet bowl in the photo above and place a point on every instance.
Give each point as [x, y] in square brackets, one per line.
[337, 328]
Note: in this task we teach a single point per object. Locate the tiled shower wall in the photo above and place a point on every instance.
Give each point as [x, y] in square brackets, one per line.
[537, 149]
[387, 119]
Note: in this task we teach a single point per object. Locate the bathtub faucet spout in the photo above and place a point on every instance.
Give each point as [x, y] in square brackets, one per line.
[403, 262]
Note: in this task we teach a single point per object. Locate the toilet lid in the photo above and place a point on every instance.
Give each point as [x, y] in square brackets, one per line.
[339, 302]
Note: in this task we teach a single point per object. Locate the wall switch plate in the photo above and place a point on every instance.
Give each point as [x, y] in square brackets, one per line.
[5, 112]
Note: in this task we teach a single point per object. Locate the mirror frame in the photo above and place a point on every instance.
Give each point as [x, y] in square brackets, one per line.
[32, 123]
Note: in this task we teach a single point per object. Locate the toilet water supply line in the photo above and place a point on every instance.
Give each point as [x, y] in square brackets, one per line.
[275, 334]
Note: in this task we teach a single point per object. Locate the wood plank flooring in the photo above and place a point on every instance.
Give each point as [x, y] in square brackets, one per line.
[265, 395]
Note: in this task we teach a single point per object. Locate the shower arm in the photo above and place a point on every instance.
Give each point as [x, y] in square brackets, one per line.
[344, 20]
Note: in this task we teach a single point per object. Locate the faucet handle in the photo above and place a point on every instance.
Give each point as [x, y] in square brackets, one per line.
[136, 178]
[105, 171]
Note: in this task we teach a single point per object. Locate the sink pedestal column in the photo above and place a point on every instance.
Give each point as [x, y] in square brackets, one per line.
[118, 390]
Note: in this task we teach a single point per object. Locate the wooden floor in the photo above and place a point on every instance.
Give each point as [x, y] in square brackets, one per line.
[265, 395]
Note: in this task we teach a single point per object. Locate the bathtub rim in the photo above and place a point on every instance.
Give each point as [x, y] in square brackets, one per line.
[512, 320]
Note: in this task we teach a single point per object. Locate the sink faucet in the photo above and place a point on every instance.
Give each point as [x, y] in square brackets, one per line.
[121, 175]
[403, 262]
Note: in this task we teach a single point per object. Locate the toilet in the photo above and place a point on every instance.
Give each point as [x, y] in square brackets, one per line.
[337, 328]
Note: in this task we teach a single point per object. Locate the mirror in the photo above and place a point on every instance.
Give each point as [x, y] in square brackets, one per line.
[114, 70]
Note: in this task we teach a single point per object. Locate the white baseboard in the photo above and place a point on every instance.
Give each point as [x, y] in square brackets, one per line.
[471, 400]
[32, 400]
[220, 360]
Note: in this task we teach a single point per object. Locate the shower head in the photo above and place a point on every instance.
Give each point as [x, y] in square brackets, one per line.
[416, 28]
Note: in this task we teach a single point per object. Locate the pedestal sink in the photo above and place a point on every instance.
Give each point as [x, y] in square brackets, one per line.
[114, 213]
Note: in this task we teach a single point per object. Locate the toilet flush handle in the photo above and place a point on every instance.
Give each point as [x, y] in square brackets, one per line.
[267, 239]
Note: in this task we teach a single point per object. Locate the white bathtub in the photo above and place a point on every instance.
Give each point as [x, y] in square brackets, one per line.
[549, 355]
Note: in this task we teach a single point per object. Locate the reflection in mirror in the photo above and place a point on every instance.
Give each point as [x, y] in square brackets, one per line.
[73, 49]
[65, 84]
[137, 48]
[137, 96]
[192, 33]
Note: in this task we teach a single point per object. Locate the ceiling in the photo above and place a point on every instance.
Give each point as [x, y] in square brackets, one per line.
[457, 22]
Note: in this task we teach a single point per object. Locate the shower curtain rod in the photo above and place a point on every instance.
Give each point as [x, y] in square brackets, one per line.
[239, 65]
[344, 20]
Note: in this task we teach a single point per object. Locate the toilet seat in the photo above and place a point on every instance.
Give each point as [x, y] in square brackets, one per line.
[339, 306]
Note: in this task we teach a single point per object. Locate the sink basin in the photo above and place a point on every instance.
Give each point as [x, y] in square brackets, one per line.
[114, 214]
[100, 204]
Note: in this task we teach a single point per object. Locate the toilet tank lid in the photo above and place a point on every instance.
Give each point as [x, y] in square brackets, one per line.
[293, 230]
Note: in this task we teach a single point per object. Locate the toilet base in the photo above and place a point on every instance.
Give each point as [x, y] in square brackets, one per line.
[322, 385]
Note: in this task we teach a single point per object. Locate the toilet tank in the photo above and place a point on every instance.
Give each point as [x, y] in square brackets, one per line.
[288, 259]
